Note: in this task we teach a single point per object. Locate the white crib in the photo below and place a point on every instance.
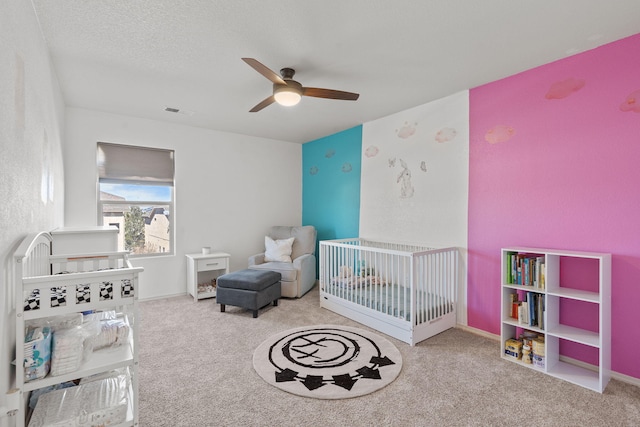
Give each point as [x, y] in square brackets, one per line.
[406, 291]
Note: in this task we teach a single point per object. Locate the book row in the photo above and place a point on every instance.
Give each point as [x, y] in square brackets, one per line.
[528, 308]
[526, 269]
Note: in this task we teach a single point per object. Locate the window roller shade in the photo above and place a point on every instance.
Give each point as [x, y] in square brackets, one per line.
[149, 165]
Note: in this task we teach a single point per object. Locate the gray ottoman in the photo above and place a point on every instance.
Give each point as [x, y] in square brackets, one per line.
[250, 289]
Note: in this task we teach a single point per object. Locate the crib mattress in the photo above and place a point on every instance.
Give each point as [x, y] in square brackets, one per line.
[395, 301]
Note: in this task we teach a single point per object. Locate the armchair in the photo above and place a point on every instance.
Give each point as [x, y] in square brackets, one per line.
[298, 276]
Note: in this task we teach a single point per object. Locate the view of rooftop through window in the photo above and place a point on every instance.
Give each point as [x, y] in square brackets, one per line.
[141, 213]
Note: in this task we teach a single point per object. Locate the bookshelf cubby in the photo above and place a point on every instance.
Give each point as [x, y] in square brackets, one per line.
[552, 281]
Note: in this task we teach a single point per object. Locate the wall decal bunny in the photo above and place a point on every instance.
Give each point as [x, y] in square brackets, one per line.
[404, 179]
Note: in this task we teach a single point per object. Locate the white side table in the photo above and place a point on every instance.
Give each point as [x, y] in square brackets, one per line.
[202, 272]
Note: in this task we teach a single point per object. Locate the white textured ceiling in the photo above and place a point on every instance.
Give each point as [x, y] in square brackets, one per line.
[136, 57]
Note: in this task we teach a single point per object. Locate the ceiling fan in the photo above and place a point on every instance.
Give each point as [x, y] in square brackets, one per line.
[288, 92]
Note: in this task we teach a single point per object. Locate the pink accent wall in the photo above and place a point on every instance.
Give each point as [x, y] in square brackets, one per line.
[555, 163]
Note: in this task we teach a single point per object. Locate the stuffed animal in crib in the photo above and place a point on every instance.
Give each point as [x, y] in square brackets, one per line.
[345, 272]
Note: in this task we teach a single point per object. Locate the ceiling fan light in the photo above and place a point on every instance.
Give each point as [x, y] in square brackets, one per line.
[287, 96]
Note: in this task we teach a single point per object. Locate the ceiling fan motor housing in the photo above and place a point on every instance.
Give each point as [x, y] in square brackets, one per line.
[291, 86]
[287, 73]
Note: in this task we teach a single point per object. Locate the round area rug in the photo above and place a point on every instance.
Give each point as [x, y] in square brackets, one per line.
[327, 361]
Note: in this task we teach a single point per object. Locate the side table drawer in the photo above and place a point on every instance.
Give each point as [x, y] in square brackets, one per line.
[212, 264]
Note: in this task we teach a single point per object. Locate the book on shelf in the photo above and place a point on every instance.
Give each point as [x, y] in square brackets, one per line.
[539, 268]
[510, 265]
[540, 311]
[514, 305]
[519, 269]
[523, 313]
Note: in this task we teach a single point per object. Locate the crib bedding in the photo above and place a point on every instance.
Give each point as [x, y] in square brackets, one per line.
[350, 281]
[395, 300]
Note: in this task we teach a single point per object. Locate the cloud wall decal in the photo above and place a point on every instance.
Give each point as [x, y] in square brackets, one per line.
[632, 102]
[499, 133]
[564, 88]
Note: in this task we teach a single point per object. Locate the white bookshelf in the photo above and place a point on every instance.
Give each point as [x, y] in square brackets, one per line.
[554, 294]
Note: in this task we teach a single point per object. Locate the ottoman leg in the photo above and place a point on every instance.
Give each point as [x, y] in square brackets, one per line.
[255, 314]
[221, 308]
[275, 302]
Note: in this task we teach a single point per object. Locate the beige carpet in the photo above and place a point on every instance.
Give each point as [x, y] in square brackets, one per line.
[196, 370]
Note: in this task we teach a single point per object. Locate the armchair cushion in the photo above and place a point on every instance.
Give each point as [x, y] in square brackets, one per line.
[277, 250]
[286, 269]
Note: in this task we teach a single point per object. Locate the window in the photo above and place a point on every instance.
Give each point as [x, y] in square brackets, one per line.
[135, 187]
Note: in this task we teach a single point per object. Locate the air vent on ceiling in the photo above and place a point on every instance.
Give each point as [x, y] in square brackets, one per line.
[179, 111]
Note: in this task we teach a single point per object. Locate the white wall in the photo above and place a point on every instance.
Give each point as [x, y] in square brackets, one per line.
[31, 170]
[229, 188]
[426, 202]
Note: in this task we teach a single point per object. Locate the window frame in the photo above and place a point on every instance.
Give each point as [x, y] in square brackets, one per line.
[170, 204]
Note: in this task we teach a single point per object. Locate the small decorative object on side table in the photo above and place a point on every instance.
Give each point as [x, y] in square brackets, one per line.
[203, 271]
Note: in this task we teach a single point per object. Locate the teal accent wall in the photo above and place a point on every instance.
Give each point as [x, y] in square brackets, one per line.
[331, 184]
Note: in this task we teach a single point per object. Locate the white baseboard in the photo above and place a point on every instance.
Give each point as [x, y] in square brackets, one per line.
[625, 378]
[480, 332]
[181, 294]
[615, 375]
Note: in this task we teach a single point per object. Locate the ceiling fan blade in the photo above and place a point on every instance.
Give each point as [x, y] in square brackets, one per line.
[264, 70]
[329, 93]
[264, 103]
